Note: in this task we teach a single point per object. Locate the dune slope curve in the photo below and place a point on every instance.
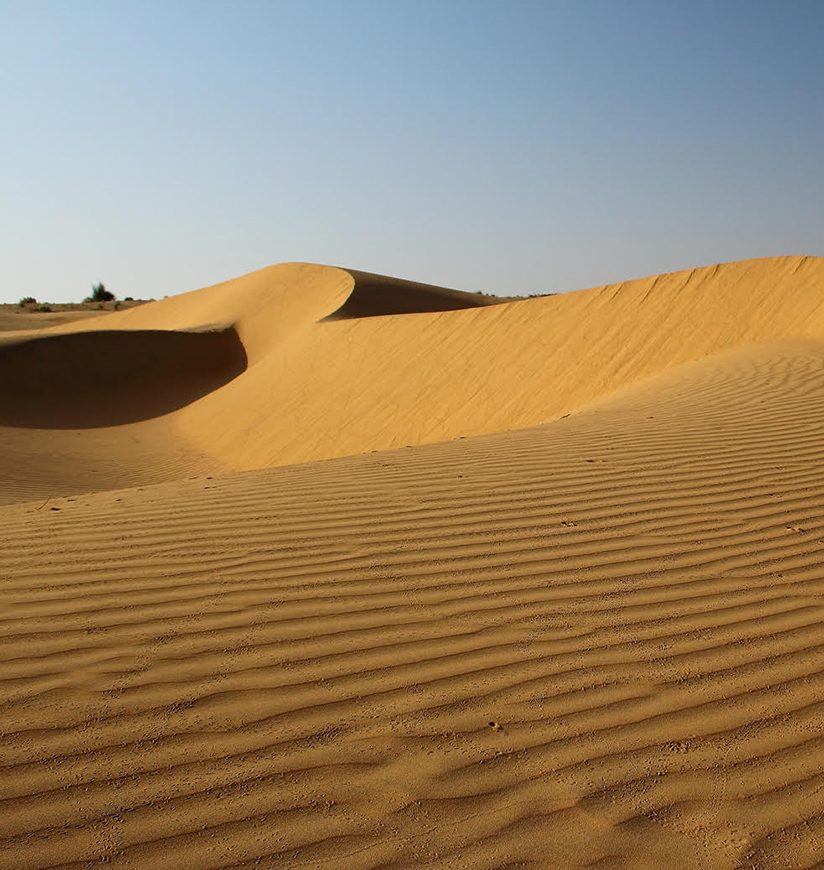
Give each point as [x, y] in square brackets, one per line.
[89, 405]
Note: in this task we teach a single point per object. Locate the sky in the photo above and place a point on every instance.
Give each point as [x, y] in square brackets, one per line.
[510, 147]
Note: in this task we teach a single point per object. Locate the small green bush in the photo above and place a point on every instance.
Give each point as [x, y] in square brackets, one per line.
[43, 308]
[27, 300]
[101, 294]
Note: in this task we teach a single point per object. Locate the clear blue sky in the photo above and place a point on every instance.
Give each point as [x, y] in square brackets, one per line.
[500, 146]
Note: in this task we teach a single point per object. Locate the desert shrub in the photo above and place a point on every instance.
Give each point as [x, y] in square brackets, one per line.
[129, 299]
[27, 300]
[43, 308]
[116, 305]
[101, 294]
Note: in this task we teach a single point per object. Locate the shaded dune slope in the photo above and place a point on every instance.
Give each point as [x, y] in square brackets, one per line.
[375, 295]
[94, 379]
[593, 643]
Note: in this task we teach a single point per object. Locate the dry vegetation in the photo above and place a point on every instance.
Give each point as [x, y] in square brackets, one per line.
[38, 315]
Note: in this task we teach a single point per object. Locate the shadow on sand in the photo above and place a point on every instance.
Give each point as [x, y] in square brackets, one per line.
[87, 380]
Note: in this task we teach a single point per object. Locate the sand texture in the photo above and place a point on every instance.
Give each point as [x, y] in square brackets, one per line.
[319, 569]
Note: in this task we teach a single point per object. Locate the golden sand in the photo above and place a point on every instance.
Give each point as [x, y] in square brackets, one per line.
[554, 597]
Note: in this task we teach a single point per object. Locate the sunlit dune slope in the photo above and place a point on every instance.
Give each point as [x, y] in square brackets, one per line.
[320, 381]
[592, 643]
[374, 383]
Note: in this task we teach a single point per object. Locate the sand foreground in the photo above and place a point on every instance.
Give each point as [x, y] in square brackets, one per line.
[338, 582]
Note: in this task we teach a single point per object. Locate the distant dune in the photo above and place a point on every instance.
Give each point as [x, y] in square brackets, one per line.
[555, 598]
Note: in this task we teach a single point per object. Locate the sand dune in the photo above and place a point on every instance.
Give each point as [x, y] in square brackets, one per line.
[588, 634]
[316, 387]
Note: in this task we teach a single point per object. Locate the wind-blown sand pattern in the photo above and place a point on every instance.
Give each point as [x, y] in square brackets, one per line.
[555, 598]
